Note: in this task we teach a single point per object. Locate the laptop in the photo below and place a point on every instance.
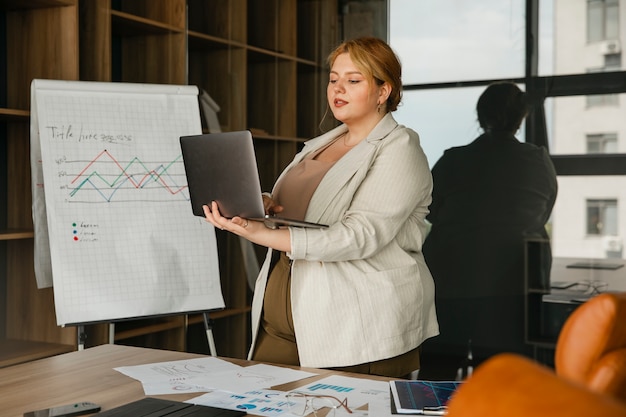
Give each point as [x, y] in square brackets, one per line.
[222, 167]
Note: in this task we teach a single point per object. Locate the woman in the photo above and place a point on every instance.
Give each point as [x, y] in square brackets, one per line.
[357, 295]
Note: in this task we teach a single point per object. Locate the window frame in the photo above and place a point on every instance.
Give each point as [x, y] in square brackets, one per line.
[602, 140]
[541, 87]
[603, 20]
[602, 205]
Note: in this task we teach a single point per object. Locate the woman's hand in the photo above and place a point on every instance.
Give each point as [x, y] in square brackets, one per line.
[270, 205]
[254, 231]
[237, 225]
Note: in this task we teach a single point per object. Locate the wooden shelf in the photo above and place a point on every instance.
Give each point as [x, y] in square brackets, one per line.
[267, 55]
[216, 315]
[133, 329]
[14, 234]
[33, 4]
[280, 138]
[262, 62]
[202, 41]
[14, 115]
[13, 351]
[126, 24]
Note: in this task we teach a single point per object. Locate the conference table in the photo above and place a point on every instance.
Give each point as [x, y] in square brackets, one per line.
[89, 375]
[607, 274]
[572, 281]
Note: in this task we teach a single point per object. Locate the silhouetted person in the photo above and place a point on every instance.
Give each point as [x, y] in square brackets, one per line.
[488, 196]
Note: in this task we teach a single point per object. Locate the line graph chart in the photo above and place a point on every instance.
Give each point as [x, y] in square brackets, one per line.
[115, 233]
[106, 179]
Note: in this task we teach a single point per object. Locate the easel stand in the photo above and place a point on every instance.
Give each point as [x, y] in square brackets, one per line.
[82, 336]
[208, 327]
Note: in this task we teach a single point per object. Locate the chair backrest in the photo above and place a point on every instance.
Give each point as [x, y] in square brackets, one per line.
[591, 348]
[510, 385]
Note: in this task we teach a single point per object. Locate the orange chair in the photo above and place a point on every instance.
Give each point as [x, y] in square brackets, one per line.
[510, 385]
[591, 348]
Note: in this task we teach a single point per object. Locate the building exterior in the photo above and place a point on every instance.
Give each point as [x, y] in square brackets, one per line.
[589, 217]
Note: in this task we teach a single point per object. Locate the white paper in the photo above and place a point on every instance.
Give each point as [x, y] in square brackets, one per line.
[175, 377]
[262, 403]
[358, 391]
[257, 402]
[210, 109]
[123, 241]
[207, 374]
[251, 378]
[42, 264]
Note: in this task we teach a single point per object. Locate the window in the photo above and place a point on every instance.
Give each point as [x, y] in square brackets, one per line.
[602, 143]
[433, 121]
[598, 100]
[450, 40]
[602, 20]
[612, 62]
[571, 61]
[602, 217]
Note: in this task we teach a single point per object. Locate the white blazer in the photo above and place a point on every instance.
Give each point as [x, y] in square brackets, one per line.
[360, 290]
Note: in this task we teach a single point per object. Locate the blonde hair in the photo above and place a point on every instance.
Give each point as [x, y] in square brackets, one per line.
[377, 61]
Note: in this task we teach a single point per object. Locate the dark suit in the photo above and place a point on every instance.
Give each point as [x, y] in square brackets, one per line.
[487, 197]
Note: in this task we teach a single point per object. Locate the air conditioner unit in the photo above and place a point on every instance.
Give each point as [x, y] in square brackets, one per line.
[610, 47]
[613, 243]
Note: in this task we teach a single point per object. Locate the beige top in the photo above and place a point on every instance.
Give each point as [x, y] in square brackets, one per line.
[295, 189]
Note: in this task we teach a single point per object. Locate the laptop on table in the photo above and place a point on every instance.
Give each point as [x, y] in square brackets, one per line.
[222, 167]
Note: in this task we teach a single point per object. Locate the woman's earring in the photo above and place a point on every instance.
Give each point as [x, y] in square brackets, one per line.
[378, 108]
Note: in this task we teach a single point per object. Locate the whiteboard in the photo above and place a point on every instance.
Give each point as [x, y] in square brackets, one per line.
[114, 232]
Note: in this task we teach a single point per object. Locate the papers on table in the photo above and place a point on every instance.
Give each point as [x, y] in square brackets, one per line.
[231, 386]
[176, 376]
[207, 374]
[359, 392]
[253, 378]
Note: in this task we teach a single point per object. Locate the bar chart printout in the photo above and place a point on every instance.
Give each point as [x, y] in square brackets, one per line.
[114, 231]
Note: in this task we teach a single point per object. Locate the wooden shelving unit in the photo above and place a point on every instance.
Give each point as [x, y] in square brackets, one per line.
[261, 61]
